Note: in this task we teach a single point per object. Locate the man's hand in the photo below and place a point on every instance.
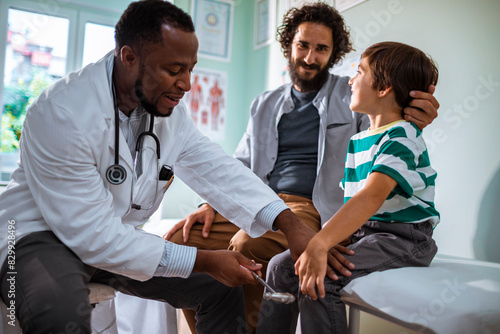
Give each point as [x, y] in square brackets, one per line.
[423, 108]
[225, 266]
[298, 235]
[338, 262]
[204, 215]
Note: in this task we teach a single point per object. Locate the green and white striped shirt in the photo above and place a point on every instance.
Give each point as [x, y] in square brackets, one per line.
[397, 150]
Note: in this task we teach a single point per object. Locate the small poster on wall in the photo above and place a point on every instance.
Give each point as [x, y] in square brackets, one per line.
[213, 21]
[206, 102]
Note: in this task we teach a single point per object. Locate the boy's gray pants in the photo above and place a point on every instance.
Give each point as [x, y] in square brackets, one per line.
[377, 245]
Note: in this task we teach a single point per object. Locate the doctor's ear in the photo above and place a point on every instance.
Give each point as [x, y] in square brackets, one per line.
[128, 56]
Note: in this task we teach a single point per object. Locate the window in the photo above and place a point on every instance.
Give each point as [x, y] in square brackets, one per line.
[35, 56]
[99, 40]
[38, 45]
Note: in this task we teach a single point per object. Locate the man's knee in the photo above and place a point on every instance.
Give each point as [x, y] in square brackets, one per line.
[177, 238]
[242, 243]
[220, 234]
[260, 249]
[195, 238]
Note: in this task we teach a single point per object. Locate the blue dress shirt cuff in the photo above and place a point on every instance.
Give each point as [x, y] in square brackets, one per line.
[176, 261]
[268, 214]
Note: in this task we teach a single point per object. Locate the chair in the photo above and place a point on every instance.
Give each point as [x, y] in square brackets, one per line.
[103, 316]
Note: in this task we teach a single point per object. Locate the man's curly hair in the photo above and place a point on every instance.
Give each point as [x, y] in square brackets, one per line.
[316, 13]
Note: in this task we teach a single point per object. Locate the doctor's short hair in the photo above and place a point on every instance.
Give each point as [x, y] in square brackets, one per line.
[402, 67]
[142, 22]
[316, 13]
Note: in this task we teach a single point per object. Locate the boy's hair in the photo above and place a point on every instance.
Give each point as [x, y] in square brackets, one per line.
[316, 13]
[142, 22]
[402, 67]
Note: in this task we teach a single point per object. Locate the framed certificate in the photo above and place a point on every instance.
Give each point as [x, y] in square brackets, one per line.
[264, 23]
[342, 5]
[213, 22]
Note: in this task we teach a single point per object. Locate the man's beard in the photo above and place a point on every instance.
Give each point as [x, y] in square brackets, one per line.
[310, 85]
[148, 106]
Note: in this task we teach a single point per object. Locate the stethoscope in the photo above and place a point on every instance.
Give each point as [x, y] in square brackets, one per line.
[116, 173]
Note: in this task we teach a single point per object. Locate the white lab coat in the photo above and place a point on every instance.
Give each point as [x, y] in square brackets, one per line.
[60, 185]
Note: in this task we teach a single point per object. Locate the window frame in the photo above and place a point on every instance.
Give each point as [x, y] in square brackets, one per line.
[77, 14]
[84, 18]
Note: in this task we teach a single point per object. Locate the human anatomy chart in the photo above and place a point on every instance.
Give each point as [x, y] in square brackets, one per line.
[206, 102]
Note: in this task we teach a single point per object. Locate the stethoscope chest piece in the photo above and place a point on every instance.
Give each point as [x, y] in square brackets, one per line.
[116, 174]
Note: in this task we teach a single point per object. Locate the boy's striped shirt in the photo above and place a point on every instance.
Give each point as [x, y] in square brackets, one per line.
[399, 151]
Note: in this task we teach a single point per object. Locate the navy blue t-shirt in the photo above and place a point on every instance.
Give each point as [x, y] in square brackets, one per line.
[295, 168]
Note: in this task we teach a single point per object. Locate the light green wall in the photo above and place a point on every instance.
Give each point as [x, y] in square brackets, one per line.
[238, 97]
[245, 80]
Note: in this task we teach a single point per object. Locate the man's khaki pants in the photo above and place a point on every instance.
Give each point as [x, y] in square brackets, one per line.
[225, 235]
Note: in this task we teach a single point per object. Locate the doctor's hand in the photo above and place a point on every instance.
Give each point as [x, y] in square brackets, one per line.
[226, 266]
[204, 215]
[423, 108]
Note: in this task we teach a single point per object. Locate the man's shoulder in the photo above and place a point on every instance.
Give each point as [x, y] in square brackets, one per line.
[337, 83]
[276, 93]
[76, 99]
[271, 99]
[79, 86]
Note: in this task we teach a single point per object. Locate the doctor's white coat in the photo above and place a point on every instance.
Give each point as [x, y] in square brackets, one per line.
[60, 185]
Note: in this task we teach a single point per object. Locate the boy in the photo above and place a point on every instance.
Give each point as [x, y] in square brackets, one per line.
[388, 192]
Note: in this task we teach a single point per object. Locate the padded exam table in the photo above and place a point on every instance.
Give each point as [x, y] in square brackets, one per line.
[452, 295]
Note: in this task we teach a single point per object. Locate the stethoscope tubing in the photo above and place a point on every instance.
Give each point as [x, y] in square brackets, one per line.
[116, 173]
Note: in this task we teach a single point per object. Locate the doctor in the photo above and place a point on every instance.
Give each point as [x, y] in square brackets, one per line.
[97, 154]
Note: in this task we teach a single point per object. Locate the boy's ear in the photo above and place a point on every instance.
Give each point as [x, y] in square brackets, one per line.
[384, 92]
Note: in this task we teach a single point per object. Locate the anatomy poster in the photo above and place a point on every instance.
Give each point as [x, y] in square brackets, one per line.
[206, 102]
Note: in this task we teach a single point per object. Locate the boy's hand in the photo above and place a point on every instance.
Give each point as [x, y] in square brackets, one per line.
[298, 235]
[311, 268]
